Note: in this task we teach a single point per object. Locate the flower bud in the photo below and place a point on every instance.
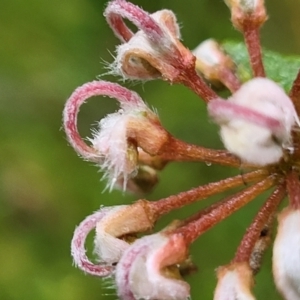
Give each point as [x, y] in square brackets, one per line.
[154, 50]
[210, 59]
[247, 12]
[234, 282]
[286, 254]
[115, 228]
[144, 270]
[256, 122]
[111, 230]
[117, 140]
[114, 146]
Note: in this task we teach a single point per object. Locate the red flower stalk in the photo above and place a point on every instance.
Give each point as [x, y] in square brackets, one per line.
[258, 126]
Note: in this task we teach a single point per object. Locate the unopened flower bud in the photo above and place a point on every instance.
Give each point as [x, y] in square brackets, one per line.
[286, 254]
[256, 122]
[247, 12]
[145, 272]
[210, 59]
[234, 282]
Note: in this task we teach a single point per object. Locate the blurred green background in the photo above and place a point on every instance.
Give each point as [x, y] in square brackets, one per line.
[47, 49]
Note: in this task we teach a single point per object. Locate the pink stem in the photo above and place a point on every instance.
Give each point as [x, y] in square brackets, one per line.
[78, 250]
[193, 81]
[213, 215]
[126, 98]
[165, 205]
[253, 233]
[252, 41]
[293, 188]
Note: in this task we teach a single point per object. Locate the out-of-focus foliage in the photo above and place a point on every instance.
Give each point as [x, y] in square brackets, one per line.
[282, 69]
[47, 48]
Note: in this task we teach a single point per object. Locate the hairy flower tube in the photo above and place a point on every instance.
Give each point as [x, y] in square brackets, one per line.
[259, 127]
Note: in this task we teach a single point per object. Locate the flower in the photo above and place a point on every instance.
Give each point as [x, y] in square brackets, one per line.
[256, 121]
[286, 254]
[143, 273]
[154, 51]
[258, 126]
[115, 145]
[115, 227]
[215, 65]
[235, 282]
[286, 250]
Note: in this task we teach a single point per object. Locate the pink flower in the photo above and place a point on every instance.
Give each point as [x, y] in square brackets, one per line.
[256, 121]
[114, 146]
[115, 228]
[154, 50]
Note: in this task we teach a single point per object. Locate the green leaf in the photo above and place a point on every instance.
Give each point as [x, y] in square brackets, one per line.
[282, 69]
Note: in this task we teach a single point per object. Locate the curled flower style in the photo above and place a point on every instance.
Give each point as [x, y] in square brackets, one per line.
[258, 126]
[78, 250]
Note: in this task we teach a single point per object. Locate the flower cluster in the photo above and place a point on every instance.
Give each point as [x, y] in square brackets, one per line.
[258, 126]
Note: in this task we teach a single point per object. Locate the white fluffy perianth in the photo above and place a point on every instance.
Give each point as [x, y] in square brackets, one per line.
[286, 254]
[139, 271]
[109, 248]
[265, 96]
[111, 141]
[251, 141]
[121, 220]
[234, 283]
